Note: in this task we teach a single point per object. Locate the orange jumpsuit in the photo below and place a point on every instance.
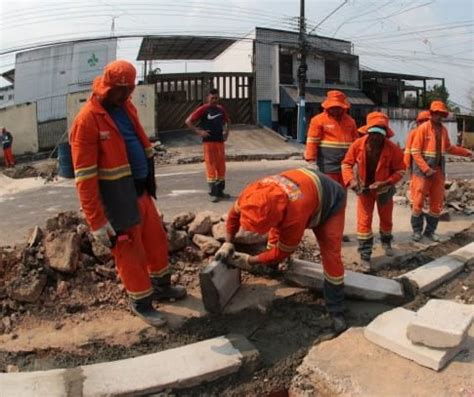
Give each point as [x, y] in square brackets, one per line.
[426, 157]
[306, 199]
[390, 168]
[107, 192]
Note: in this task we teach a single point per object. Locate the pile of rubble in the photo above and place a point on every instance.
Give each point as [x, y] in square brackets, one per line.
[47, 170]
[162, 156]
[63, 270]
[459, 196]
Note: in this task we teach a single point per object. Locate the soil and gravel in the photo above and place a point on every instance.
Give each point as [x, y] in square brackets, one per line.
[34, 285]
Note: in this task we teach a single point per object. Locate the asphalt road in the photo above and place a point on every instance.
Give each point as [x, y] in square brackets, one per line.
[180, 188]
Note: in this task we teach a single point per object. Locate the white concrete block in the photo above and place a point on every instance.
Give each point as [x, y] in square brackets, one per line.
[441, 323]
[357, 285]
[464, 254]
[30, 384]
[389, 330]
[435, 273]
[178, 368]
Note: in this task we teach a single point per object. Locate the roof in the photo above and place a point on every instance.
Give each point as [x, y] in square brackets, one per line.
[9, 75]
[297, 34]
[390, 75]
[182, 47]
[289, 96]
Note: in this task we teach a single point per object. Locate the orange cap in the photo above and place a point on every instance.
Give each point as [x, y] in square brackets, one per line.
[116, 73]
[335, 99]
[262, 206]
[424, 115]
[377, 119]
[439, 106]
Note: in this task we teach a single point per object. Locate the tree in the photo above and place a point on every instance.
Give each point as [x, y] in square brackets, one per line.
[440, 93]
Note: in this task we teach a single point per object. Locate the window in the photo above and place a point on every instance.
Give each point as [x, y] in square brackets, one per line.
[286, 69]
[10, 97]
[1, 97]
[332, 71]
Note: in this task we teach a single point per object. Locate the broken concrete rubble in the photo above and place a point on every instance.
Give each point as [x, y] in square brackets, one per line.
[28, 288]
[183, 219]
[62, 251]
[201, 224]
[206, 244]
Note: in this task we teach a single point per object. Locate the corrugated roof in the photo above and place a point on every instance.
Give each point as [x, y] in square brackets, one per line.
[289, 96]
[182, 47]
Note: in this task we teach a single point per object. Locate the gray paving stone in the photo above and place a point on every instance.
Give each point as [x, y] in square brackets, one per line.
[441, 323]
[357, 285]
[389, 330]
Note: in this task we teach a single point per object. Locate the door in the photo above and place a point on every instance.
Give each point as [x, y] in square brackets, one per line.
[265, 113]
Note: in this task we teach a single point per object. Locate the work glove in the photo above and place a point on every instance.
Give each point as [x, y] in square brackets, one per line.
[240, 260]
[312, 166]
[103, 234]
[226, 251]
[430, 172]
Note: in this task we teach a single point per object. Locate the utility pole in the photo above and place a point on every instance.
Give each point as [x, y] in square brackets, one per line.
[303, 67]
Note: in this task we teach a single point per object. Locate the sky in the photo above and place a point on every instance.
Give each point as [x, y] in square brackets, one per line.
[425, 37]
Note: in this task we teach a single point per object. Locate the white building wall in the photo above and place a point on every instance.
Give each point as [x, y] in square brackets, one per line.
[20, 120]
[237, 58]
[7, 96]
[49, 74]
[402, 127]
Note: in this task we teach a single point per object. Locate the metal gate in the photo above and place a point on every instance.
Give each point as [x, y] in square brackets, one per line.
[179, 94]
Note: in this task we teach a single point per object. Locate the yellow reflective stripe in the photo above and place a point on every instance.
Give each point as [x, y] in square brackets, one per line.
[140, 295]
[82, 174]
[236, 208]
[334, 280]
[270, 246]
[211, 180]
[286, 248]
[415, 151]
[149, 152]
[345, 166]
[339, 145]
[364, 236]
[114, 173]
[313, 140]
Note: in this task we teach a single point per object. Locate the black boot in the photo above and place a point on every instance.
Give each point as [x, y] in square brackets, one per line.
[431, 225]
[386, 239]
[213, 192]
[144, 309]
[417, 226]
[220, 190]
[365, 251]
[334, 297]
[163, 290]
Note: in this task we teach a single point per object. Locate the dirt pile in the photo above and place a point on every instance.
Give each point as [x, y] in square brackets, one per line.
[459, 196]
[162, 156]
[47, 170]
[63, 270]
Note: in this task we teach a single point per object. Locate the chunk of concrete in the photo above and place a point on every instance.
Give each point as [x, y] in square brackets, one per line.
[434, 273]
[178, 368]
[357, 285]
[218, 284]
[208, 245]
[463, 254]
[63, 251]
[441, 323]
[389, 330]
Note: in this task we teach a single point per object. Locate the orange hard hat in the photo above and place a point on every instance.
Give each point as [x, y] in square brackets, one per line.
[116, 73]
[262, 206]
[336, 98]
[377, 119]
[424, 115]
[439, 106]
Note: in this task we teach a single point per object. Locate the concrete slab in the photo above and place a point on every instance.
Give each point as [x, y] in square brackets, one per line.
[349, 366]
[441, 323]
[464, 254]
[389, 330]
[178, 368]
[434, 273]
[219, 283]
[357, 285]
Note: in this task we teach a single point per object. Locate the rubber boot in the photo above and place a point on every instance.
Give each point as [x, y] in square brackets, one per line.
[334, 297]
[365, 251]
[417, 226]
[144, 309]
[431, 225]
[213, 192]
[220, 190]
[163, 290]
[387, 243]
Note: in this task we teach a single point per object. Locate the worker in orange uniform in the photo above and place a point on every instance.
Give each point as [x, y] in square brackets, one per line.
[430, 143]
[423, 116]
[284, 206]
[6, 138]
[372, 167]
[115, 179]
[211, 122]
[330, 134]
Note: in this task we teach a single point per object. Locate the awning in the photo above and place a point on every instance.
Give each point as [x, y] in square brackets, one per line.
[182, 47]
[289, 96]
